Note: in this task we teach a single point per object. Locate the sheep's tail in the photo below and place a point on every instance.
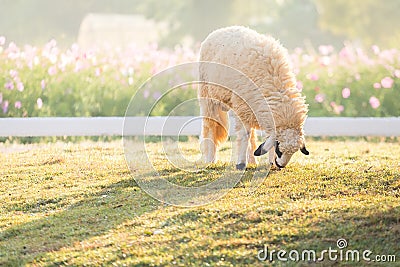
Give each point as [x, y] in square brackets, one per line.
[215, 122]
[221, 127]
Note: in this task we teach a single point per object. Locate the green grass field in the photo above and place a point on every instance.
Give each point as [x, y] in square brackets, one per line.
[79, 205]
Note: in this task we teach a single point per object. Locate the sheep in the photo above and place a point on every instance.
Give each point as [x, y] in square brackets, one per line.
[275, 106]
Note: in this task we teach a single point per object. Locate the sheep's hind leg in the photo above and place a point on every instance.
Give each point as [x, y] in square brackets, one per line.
[208, 145]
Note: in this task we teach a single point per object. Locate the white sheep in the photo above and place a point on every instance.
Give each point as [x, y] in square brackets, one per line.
[266, 63]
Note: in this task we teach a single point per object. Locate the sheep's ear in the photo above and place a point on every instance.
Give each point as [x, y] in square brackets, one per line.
[265, 147]
[304, 150]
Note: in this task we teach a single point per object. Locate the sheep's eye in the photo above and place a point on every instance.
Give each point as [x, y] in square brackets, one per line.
[277, 151]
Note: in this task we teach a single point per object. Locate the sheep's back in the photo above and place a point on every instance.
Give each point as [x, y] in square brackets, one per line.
[260, 57]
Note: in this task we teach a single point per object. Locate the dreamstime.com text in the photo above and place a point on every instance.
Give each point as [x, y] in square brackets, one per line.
[341, 253]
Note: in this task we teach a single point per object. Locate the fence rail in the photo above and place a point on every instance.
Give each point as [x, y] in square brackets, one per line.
[172, 126]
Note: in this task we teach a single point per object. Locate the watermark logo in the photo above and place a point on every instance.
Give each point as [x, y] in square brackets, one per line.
[341, 243]
[339, 253]
[148, 166]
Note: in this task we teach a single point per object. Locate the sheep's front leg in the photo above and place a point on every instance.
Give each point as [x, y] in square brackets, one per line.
[243, 143]
[252, 147]
[272, 156]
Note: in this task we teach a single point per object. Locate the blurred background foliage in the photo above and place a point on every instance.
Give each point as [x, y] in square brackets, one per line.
[344, 53]
[294, 22]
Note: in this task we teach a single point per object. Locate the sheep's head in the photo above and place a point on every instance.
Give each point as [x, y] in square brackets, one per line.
[286, 143]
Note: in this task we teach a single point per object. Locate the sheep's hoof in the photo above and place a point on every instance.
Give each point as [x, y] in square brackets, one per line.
[241, 166]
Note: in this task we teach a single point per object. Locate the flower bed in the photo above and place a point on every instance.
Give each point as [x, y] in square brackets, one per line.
[50, 81]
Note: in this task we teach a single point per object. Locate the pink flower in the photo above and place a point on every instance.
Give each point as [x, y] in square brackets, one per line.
[347, 53]
[51, 43]
[375, 49]
[346, 92]
[18, 105]
[325, 49]
[299, 85]
[337, 108]
[325, 61]
[298, 50]
[97, 72]
[154, 70]
[377, 85]
[43, 84]
[374, 102]
[12, 47]
[13, 74]
[5, 106]
[312, 77]
[52, 70]
[146, 93]
[78, 66]
[39, 103]
[344, 52]
[387, 82]
[2, 40]
[20, 86]
[156, 95]
[320, 98]
[397, 73]
[9, 85]
[387, 55]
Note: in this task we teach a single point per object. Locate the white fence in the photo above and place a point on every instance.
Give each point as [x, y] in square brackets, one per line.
[172, 126]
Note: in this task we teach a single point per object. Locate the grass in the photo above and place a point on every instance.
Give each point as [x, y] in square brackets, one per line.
[79, 205]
